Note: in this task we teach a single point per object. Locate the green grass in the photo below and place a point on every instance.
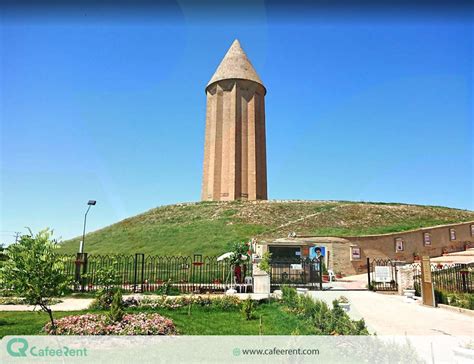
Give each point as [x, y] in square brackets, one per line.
[202, 321]
[210, 228]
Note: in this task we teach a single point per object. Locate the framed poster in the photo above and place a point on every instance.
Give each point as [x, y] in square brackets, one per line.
[426, 239]
[452, 234]
[383, 274]
[399, 245]
[317, 252]
[355, 253]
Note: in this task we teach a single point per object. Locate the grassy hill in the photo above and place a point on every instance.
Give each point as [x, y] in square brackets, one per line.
[210, 228]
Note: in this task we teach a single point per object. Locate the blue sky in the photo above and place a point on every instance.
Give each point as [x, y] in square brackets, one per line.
[111, 106]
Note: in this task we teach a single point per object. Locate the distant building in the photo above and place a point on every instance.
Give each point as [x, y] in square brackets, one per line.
[235, 164]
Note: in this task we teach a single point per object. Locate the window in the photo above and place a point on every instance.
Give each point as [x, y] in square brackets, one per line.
[472, 230]
[285, 252]
[399, 245]
[452, 234]
[355, 253]
[426, 239]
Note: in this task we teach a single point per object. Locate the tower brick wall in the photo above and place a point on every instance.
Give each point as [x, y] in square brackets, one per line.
[235, 144]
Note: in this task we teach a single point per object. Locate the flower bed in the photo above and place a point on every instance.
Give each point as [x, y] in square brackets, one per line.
[225, 303]
[97, 324]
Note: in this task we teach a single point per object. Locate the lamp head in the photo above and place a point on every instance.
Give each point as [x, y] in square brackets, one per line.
[92, 202]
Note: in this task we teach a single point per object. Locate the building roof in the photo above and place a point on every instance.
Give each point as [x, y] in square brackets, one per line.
[306, 240]
[235, 65]
[464, 257]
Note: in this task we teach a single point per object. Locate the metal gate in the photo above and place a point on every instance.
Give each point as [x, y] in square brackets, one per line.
[382, 275]
[299, 272]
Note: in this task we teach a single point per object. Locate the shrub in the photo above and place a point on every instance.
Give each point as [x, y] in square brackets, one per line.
[225, 303]
[319, 318]
[462, 300]
[103, 300]
[106, 278]
[265, 262]
[97, 324]
[167, 289]
[248, 308]
[289, 296]
[116, 312]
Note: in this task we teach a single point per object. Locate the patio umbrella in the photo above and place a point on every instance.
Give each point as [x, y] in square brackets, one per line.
[225, 256]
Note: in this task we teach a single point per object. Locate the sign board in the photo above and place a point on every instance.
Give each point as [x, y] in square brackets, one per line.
[399, 245]
[452, 234]
[383, 274]
[427, 238]
[427, 291]
[355, 253]
[296, 266]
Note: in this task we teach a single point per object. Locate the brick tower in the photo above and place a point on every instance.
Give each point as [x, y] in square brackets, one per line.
[235, 164]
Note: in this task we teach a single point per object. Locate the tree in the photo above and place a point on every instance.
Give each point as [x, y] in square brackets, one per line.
[33, 271]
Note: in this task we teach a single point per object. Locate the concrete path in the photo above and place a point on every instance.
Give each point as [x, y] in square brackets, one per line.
[387, 314]
[67, 304]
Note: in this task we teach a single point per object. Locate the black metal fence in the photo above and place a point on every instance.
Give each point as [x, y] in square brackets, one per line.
[141, 273]
[301, 272]
[450, 278]
[382, 275]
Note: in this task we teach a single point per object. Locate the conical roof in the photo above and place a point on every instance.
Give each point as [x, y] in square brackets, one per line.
[235, 65]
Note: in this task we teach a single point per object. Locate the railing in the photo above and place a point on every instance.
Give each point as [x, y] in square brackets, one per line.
[302, 272]
[451, 278]
[382, 275]
[140, 273]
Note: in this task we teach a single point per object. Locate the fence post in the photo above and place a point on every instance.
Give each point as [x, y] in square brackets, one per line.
[84, 271]
[321, 273]
[142, 277]
[135, 267]
[77, 275]
[368, 273]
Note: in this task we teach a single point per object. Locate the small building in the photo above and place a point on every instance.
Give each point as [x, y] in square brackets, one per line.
[348, 255]
[335, 252]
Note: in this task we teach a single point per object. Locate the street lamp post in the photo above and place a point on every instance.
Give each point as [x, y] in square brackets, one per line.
[89, 204]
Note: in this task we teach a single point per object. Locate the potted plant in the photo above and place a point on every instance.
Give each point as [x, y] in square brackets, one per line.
[344, 303]
[338, 275]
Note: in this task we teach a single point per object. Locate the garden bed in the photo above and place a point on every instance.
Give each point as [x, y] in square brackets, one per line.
[99, 324]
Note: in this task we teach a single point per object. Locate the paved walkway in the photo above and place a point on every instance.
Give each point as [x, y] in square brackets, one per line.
[67, 304]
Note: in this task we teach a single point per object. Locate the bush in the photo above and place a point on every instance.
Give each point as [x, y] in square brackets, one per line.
[167, 289]
[462, 300]
[289, 296]
[97, 324]
[265, 262]
[248, 308]
[225, 303]
[319, 318]
[116, 309]
[103, 301]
